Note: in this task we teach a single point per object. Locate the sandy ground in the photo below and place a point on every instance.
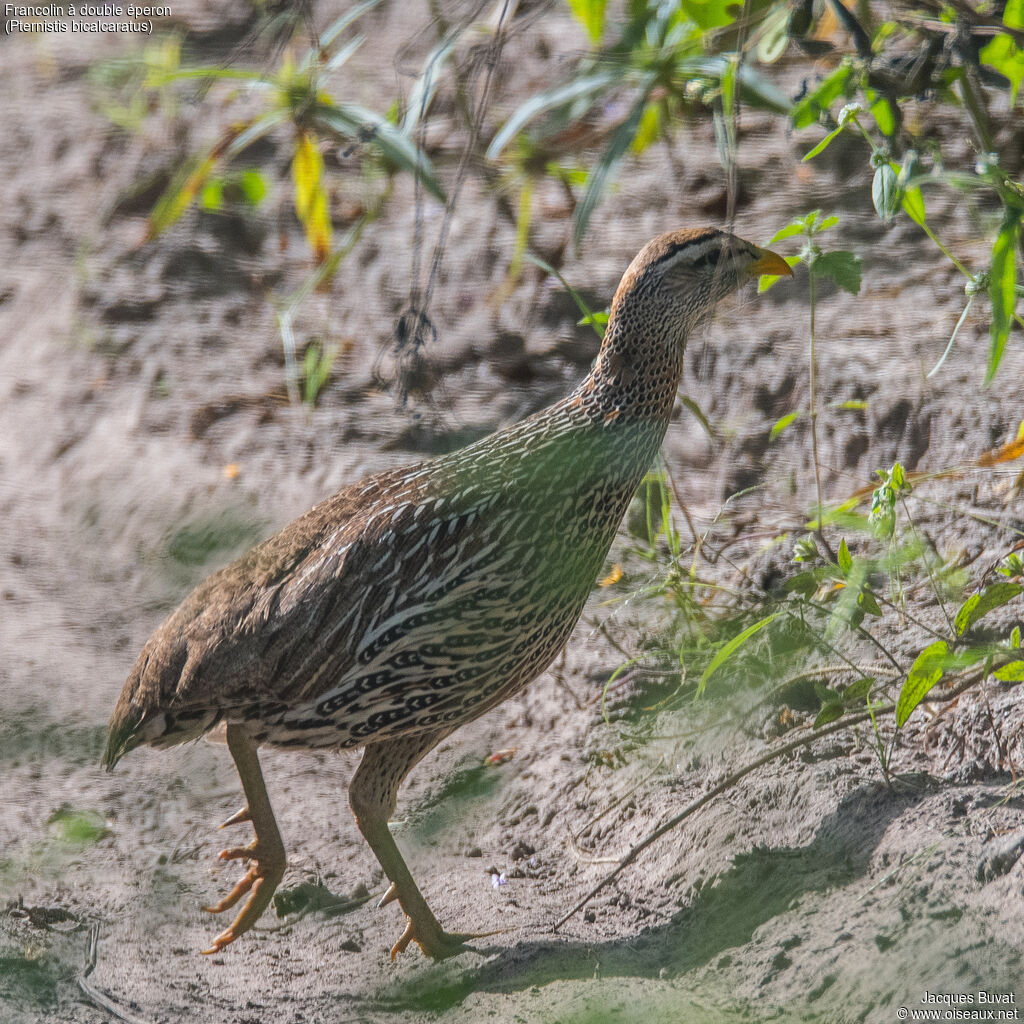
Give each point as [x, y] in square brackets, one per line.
[132, 376]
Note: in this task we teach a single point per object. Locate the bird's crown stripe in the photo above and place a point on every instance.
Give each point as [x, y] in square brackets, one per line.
[702, 248]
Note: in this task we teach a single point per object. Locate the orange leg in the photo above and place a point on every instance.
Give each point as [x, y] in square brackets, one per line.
[372, 795]
[265, 853]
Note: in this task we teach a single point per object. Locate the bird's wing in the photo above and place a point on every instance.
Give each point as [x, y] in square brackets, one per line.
[291, 619]
[225, 644]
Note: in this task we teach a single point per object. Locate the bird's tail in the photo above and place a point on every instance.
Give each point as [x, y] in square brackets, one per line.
[123, 734]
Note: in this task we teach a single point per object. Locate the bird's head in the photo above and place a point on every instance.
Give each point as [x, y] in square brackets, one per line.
[677, 278]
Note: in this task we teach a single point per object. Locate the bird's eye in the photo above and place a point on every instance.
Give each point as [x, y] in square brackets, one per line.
[707, 260]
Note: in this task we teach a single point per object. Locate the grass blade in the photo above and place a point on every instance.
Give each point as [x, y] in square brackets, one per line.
[1002, 290]
[729, 649]
[607, 167]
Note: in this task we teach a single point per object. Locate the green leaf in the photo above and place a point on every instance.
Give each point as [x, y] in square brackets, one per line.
[184, 187]
[927, 670]
[589, 316]
[1007, 58]
[1015, 637]
[253, 186]
[781, 423]
[590, 14]
[804, 584]
[1011, 673]
[708, 14]
[727, 86]
[829, 713]
[335, 29]
[992, 597]
[913, 205]
[825, 694]
[869, 603]
[339, 58]
[1002, 290]
[422, 92]
[845, 558]
[212, 196]
[649, 129]
[795, 227]
[698, 412]
[885, 192]
[602, 176]
[730, 648]
[807, 111]
[824, 144]
[595, 320]
[843, 267]
[755, 88]
[316, 369]
[858, 690]
[774, 36]
[882, 112]
[254, 132]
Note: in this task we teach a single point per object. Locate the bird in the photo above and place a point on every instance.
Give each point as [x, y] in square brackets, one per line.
[416, 599]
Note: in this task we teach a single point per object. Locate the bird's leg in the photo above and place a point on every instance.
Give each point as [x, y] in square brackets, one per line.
[265, 853]
[372, 795]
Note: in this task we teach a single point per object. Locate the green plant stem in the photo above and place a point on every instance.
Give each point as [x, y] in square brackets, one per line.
[727, 783]
[928, 569]
[952, 338]
[863, 632]
[515, 267]
[910, 618]
[924, 227]
[813, 413]
[956, 263]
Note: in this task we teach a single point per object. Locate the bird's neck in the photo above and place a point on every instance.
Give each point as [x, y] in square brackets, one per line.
[635, 378]
[618, 415]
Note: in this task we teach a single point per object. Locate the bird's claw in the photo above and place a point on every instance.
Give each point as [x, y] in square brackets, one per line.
[264, 875]
[241, 815]
[434, 940]
[389, 897]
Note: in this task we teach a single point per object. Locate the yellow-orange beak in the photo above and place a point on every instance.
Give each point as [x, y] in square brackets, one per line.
[770, 263]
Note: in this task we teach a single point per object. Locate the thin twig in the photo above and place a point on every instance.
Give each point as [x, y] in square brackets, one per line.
[727, 783]
[813, 416]
[928, 568]
[759, 762]
[93, 994]
[615, 803]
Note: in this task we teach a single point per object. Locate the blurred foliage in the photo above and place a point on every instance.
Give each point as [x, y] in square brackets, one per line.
[885, 73]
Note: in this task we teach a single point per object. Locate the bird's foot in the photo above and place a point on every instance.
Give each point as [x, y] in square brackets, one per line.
[266, 869]
[434, 940]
